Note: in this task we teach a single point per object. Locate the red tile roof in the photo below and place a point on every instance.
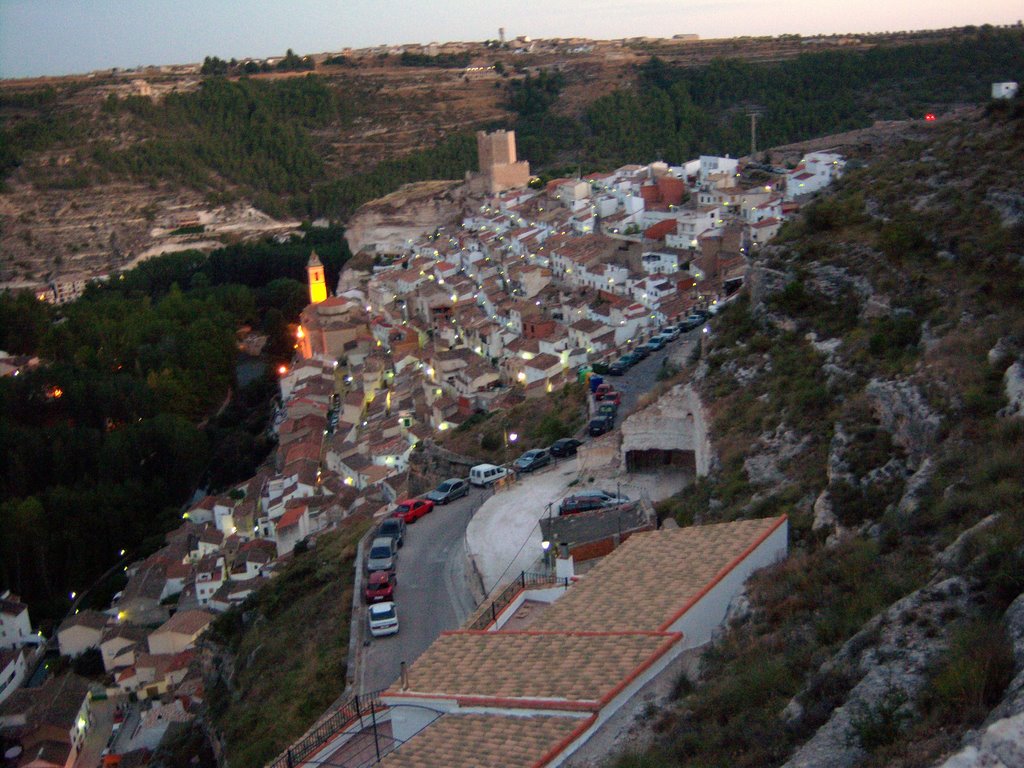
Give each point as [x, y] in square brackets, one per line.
[291, 517]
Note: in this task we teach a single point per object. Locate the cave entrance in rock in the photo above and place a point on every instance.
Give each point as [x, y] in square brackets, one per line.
[652, 459]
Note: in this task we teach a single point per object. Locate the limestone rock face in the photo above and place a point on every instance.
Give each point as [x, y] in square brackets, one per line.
[772, 449]
[910, 502]
[763, 282]
[1013, 383]
[903, 411]
[676, 422]
[384, 225]
[891, 656]
[1000, 740]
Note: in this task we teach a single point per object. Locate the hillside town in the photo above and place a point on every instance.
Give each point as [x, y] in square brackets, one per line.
[537, 286]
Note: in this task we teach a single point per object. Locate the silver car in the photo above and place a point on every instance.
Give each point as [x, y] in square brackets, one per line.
[383, 554]
[449, 490]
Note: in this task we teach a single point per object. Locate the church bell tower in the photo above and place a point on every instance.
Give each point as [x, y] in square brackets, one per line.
[317, 282]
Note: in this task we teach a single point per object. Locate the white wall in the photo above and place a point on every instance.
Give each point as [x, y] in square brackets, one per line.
[616, 703]
[702, 621]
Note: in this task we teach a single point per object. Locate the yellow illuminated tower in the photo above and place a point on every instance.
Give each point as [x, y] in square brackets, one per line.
[317, 283]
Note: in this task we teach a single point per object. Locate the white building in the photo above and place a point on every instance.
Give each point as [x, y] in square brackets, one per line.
[815, 172]
[15, 627]
[1006, 90]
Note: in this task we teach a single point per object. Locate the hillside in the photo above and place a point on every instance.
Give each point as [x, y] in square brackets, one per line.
[861, 388]
[101, 170]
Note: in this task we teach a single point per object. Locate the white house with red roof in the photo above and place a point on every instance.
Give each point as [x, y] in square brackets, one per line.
[814, 172]
[291, 527]
[209, 577]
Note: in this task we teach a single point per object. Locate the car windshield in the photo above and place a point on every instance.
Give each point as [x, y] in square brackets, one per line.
[446, 486]
[403, 508]
[380, 553]
[379, 579]
[382, 612]
[389, 526]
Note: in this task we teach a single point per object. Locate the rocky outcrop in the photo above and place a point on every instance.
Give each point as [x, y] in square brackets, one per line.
[431, 465]
[1013, 384]
[1000, 740]
[915, 489]
[905, 414]
[384, 225]
[676, 421]
[772, 450]
[1009, 206]
[762, 282]
[889, 657]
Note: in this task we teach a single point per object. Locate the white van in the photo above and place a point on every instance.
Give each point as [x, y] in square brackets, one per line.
[486, 474]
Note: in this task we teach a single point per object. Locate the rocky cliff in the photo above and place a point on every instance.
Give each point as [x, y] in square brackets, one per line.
[869, 386]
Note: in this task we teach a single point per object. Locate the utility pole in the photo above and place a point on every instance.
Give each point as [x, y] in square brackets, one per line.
[753, 133]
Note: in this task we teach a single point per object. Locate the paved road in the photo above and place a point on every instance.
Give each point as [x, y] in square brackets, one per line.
[434, 591]
[641, 378]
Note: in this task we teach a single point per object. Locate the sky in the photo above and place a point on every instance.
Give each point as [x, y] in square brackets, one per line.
[54, 37]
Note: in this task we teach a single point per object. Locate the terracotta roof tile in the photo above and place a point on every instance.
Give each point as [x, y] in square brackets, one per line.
[668, 568]
[471, 741]
[572, 669]
[186, 622]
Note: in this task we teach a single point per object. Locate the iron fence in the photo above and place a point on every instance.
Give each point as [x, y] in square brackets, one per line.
[356, 708]
[508, 594]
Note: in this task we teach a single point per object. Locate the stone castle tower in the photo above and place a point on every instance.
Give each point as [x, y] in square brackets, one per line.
[499, 167]
[317, 281]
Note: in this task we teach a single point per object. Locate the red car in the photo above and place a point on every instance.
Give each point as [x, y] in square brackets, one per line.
[611, 397]
[380, 587]
[412, 510]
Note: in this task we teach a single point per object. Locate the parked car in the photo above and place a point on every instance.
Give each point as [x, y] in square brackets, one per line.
[612, 397]
[586, 501]
[383, 619]
[618, 368]
[658, 342]
[393, 528]
[412, 510]
[483, 475]
[380, 587]
[532, 460]
[691, 322]
[449, 490]
[565, 447]
[602, 391]
[599, 425]
[640, 353]
[671, 331]
[609, 409]
[383, 555]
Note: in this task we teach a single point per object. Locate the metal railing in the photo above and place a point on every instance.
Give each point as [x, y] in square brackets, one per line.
[501, 600]
[356, 708]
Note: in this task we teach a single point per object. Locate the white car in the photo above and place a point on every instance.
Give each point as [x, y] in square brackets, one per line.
[383, 619]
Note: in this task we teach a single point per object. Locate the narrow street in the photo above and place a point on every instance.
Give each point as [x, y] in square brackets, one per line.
[434, 591]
